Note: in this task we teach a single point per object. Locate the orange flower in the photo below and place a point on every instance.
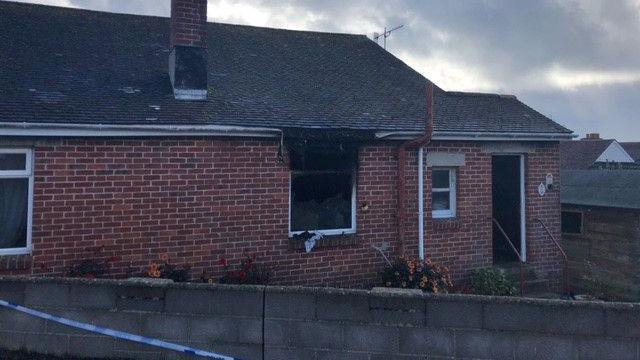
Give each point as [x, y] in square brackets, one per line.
[154, 271]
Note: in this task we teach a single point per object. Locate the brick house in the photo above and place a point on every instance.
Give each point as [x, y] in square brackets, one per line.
[139, 135]
[593, 152]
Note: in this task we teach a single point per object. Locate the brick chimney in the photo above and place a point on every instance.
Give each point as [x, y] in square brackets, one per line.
[592, 136]
[188, 57]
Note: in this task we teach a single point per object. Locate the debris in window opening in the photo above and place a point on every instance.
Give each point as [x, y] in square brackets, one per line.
[311, 242]
[321, 201]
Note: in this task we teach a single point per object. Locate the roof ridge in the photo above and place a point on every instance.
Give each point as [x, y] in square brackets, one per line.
[472, 93]
[159, 17]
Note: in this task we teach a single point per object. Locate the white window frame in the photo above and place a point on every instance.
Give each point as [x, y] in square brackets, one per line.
[451, 212]
[324, 232]
[27, 173]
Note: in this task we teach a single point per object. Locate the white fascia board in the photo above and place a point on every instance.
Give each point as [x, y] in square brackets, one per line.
[477, 136]
[100, 130]
[499, 136]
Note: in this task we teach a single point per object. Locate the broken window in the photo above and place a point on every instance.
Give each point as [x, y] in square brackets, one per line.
[16, 192]
[571, 222]
[443, 193]
[323, 189]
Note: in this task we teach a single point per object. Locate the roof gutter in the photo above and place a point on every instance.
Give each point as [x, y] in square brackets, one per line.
[101, 130]
[477, 136]
[419, 142]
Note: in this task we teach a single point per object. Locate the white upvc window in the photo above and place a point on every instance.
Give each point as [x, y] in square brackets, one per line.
[443, 193]
[16, 200]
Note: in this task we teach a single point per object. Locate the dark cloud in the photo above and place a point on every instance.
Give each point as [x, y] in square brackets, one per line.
[574, 60]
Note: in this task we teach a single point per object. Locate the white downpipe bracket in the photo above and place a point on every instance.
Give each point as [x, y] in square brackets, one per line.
[421, 204]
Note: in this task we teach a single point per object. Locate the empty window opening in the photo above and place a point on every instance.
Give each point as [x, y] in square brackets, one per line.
[322, 189]
[571, 222]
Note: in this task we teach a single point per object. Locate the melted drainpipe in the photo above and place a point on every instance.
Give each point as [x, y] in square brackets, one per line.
[401, 181]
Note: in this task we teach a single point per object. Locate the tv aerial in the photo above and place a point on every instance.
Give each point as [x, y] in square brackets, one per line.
[385, 35]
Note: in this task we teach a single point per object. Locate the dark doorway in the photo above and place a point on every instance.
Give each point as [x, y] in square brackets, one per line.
[506, 182]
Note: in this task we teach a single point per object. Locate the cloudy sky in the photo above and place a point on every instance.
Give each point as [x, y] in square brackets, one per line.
[577, 61]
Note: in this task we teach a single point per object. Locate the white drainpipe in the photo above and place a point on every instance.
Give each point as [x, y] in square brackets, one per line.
[421, 204]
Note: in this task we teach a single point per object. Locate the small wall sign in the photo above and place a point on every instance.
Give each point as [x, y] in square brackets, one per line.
[542, 189]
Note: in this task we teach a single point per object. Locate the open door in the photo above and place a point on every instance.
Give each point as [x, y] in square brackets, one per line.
[508, 207]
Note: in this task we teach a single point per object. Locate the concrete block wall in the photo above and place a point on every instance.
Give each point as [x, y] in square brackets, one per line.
[290, 323]
[348, 324]
[226, 319]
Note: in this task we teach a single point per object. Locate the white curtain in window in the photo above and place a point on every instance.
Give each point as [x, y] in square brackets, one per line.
[14, 194]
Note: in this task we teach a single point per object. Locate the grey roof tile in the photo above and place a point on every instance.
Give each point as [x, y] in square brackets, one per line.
[608, 188]
[581, 154]
[76, 66]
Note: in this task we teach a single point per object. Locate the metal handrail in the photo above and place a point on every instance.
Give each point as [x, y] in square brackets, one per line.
[567, 287]
[520, 261]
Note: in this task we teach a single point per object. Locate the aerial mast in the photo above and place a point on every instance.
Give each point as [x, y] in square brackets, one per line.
[385, 35]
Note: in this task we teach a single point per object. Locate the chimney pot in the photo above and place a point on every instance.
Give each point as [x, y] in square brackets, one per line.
[592, 136]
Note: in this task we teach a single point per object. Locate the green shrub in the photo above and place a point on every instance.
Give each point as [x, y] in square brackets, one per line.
[412, 274]
[490, 281]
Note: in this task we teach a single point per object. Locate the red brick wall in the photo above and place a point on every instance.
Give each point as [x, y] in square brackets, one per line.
[188, 22]
[541, 251]
[200, 199]
[464, 243]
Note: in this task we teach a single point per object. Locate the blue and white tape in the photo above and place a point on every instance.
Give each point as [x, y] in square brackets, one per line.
[117, 334]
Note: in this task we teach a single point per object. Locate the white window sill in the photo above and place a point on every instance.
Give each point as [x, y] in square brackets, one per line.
[15, 251]
[325, 232]
[443, 215]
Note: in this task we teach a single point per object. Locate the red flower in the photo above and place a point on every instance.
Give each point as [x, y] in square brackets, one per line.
[243, 275]
[223, 261]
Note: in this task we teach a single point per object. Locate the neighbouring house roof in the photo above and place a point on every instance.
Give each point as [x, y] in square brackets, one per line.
[70, 66]
[608, 188]
[581, 154]
[633, 149]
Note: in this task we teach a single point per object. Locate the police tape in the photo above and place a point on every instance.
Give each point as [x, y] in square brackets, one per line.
[117, 334]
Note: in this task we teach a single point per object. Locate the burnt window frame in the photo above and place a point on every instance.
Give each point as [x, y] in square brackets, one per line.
[25, 174]
[581, 213]
[351, 170]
